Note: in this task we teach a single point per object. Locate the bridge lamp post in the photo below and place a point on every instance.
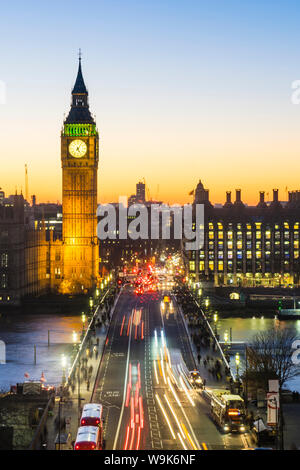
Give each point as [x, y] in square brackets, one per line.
[215, 323]
[237, 363]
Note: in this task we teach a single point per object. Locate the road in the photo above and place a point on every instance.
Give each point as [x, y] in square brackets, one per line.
[141, 381]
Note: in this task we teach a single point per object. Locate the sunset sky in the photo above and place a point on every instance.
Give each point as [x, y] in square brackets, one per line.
[181, 90]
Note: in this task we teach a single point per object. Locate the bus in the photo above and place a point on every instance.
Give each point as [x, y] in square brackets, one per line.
[91, 415]
[88, 438]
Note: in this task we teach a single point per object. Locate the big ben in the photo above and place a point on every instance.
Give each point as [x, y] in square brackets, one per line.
[79, 159]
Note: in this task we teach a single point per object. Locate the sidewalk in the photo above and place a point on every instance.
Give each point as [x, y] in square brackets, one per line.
[70, 410]
[206, 351]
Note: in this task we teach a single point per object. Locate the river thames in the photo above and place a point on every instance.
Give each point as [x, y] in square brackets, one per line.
[21, 332]
[244, 330]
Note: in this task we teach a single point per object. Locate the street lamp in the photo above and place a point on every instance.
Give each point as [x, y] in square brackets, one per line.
[64, 364]
[74, 337]
[226, 337]
[215, 322]
[237, 363]
[83, 319]
[207, 302]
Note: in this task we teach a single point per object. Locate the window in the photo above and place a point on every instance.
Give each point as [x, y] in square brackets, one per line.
[211, 265]
[4, 260]
[192, 265]
[239, 255]
[220, 235]
[211, 235]
[229, 254]
[229, 245]
[201, 266]
[229, 235]
[3, 281]
[249, 254]
[239, 245]
[258, 254]
[258, 235]
[220, 255]
[220, 266]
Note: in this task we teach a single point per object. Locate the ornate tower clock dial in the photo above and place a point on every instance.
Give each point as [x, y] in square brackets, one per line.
[78, 148]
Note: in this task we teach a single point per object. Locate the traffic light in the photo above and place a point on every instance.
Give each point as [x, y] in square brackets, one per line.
[279, 305]
[119, 282]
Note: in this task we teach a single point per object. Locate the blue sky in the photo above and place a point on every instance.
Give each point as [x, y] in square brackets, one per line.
[181, 90]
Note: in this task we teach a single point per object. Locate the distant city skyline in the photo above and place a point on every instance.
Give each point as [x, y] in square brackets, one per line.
[182, 91]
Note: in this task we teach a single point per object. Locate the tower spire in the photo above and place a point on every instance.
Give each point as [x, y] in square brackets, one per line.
[79, 87]
[79, 112]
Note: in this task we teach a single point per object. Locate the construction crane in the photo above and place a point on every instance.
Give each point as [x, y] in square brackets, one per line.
[26, 182]
[147, 190]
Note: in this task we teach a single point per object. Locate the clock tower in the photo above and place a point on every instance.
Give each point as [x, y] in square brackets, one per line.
[79, 159]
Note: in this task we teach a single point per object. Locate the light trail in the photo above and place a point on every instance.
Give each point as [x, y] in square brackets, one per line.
[124, 394]
[174, 415]
[155, 337]
[142, 334]
[132, 437]
[165, 415]
[186, 392]
[141, 408]
[155, 371]
[132, 412]
[174, 393]
[138, 439]
[121, 332]
[189, 437]
[162, 366]
[182, 443]
[127, 437]
[129, 326]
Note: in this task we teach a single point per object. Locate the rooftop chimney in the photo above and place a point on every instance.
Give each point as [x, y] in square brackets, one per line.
[228, 197]
[237, 195]
[275, 195]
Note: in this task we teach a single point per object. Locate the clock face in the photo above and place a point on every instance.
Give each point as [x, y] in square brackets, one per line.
[77, 148]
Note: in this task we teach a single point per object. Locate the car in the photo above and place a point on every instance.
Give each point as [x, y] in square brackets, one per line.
[195, 378]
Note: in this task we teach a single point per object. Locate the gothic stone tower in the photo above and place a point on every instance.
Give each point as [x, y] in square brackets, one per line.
[79, 158]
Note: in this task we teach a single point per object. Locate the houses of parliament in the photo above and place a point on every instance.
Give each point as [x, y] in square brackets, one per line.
[42, 252]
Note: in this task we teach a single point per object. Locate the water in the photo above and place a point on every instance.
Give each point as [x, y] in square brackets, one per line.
[22, 332]
[244, 329]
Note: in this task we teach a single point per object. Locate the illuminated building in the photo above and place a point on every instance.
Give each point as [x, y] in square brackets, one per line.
[248, 245]
[79, 158]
